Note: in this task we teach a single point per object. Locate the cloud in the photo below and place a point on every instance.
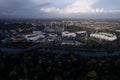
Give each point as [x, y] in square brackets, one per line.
[79, 6]
[58, 8]
[20, 8]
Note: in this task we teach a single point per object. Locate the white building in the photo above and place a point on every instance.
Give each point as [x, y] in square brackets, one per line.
[117, 30]
[68, 42]
[34, 37]
[53, 35]
[104, 36]
[68, 34]
[81, 32]
[37, 32]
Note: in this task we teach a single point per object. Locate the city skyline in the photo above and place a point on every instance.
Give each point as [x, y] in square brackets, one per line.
[94, 9]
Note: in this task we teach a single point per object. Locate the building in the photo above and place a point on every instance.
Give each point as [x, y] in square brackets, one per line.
[34, 37]
[68, 34]
[104, 36]
[53, 28]
[52, 35]
[81, 33]
[36, 24]
[7, 40]
[18, 38]
[37, 32]
[68, 42]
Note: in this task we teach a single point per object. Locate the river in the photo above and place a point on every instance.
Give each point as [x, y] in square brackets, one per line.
[62, 51]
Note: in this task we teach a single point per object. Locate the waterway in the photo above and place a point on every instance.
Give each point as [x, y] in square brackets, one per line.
[62, 51]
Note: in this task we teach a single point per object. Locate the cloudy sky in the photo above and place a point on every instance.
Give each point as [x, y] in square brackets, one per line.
[59, 8]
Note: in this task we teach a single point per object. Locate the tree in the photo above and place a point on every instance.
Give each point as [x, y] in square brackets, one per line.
[57, 77]
[92, 74]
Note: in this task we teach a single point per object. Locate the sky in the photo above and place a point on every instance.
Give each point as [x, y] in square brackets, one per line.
[59, 9]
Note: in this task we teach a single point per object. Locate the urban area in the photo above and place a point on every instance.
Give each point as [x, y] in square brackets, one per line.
[60, 49]
[85, 34]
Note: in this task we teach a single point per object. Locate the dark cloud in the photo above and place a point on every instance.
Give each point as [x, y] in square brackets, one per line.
[20, 8]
